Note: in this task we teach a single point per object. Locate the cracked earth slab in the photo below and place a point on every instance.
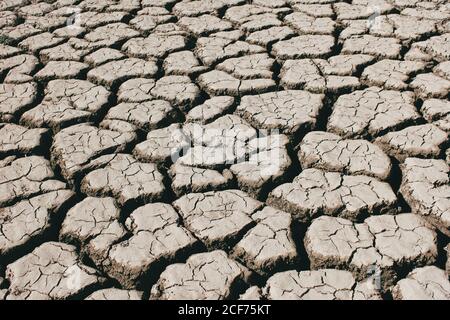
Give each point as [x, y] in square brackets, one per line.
[93, 224]
[210, 110]
[268, 165]
[146, 115]
[157, 240]
[183, 63]
[154, 46]
[29, 221]
[58, 282]
[424, 141]
[162, 145]
[124, 178]
[116, 72]
[322, 284]
[217, 132]
[217, 218]
[388, 48]
[254, 17]
[177, 89]
[392, 74]
[65, 59]
[386, 242]
[186, 179]
[267, 37]
[61, 70]
[18, 140]
[18, 68]
[217, 145]
[429, 85]
[16, 98]
[114, 294]
[436, 46]
[269, 245]
[74, 147]
[318, 75]
[221, 83]
[204, 276]
[239, 76]
[67, 102]
[315, 192]
[26, 177]
[212, 50]
[290, 111]
[305, 46]
[425, 187]
[102, 56]
[427, 283]
[306, 24]
[372, 112]
[327, 151]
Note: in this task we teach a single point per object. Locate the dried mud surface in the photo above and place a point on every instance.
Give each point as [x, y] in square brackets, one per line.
[224, 149]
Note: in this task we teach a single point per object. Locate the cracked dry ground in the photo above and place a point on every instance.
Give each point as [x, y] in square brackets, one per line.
[332, 118]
